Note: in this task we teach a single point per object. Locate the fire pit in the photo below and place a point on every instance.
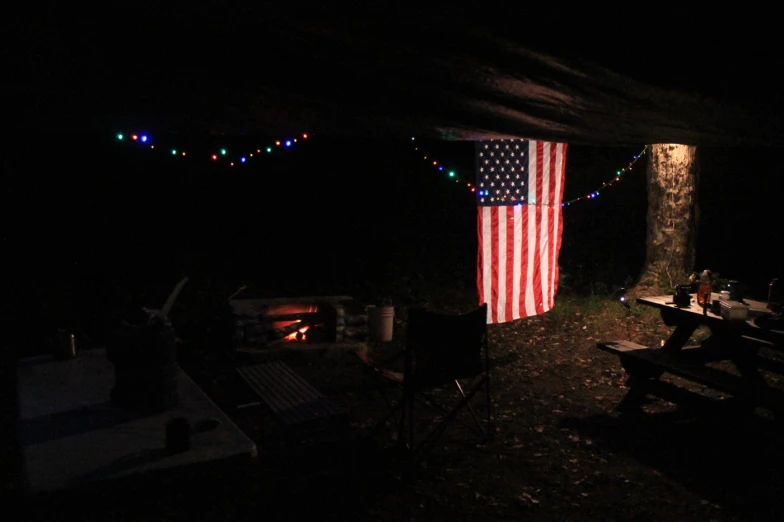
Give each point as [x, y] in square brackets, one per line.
[297, 322]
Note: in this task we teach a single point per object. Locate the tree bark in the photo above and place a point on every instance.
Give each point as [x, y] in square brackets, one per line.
[673, 215]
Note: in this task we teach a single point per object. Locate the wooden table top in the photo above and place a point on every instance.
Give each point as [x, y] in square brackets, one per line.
[756, 309]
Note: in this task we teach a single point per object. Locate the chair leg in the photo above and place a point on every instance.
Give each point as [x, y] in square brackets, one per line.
[473, 413]
[405, 433]
[428, 402]
[441, 427]
[392, 409]
[382, 423]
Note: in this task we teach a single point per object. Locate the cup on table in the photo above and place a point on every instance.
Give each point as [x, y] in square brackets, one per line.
[682, 296]
[733, 287]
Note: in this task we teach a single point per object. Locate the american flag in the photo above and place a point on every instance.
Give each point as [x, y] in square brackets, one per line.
[519, 192]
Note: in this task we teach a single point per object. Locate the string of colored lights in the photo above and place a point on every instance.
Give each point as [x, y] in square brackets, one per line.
[594, 194]
[219, 155]
[590, 195]
[451, 173]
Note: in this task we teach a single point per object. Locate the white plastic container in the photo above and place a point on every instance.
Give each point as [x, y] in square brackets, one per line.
[734, 311]
[381, 322]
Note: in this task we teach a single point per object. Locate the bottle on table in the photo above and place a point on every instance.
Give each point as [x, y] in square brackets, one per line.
[704, 289]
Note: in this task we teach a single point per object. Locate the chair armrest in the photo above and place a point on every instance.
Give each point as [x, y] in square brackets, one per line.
[384, 373]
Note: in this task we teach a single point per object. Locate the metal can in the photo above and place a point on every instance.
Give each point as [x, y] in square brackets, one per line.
[65, 345]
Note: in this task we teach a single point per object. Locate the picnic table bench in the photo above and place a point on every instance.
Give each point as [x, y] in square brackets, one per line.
[645, 365]
[292, 400]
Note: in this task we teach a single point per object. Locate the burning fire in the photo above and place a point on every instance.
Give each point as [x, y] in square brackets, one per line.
[292, 324]
[293, 336]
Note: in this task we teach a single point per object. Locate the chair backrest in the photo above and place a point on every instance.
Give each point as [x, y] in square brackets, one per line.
[441, 347]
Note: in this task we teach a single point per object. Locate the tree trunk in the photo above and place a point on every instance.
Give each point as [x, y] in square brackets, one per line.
[673, 215]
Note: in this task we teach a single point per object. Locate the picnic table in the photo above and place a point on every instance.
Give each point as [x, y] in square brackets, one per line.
[72, 435]
[748, 352]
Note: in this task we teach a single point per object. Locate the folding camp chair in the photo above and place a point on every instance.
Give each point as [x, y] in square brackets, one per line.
[440, 350]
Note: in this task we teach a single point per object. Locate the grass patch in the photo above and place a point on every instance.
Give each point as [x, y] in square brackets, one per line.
[599, 308]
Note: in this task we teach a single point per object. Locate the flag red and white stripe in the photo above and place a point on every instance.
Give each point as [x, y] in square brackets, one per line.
[520, 185]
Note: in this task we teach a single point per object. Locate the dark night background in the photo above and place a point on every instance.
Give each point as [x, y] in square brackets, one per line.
[97, 223]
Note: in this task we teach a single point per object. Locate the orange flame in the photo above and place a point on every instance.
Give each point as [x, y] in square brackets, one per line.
[293, 336]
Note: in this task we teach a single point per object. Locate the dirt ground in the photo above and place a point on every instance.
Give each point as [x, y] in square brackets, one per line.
[558, 451]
